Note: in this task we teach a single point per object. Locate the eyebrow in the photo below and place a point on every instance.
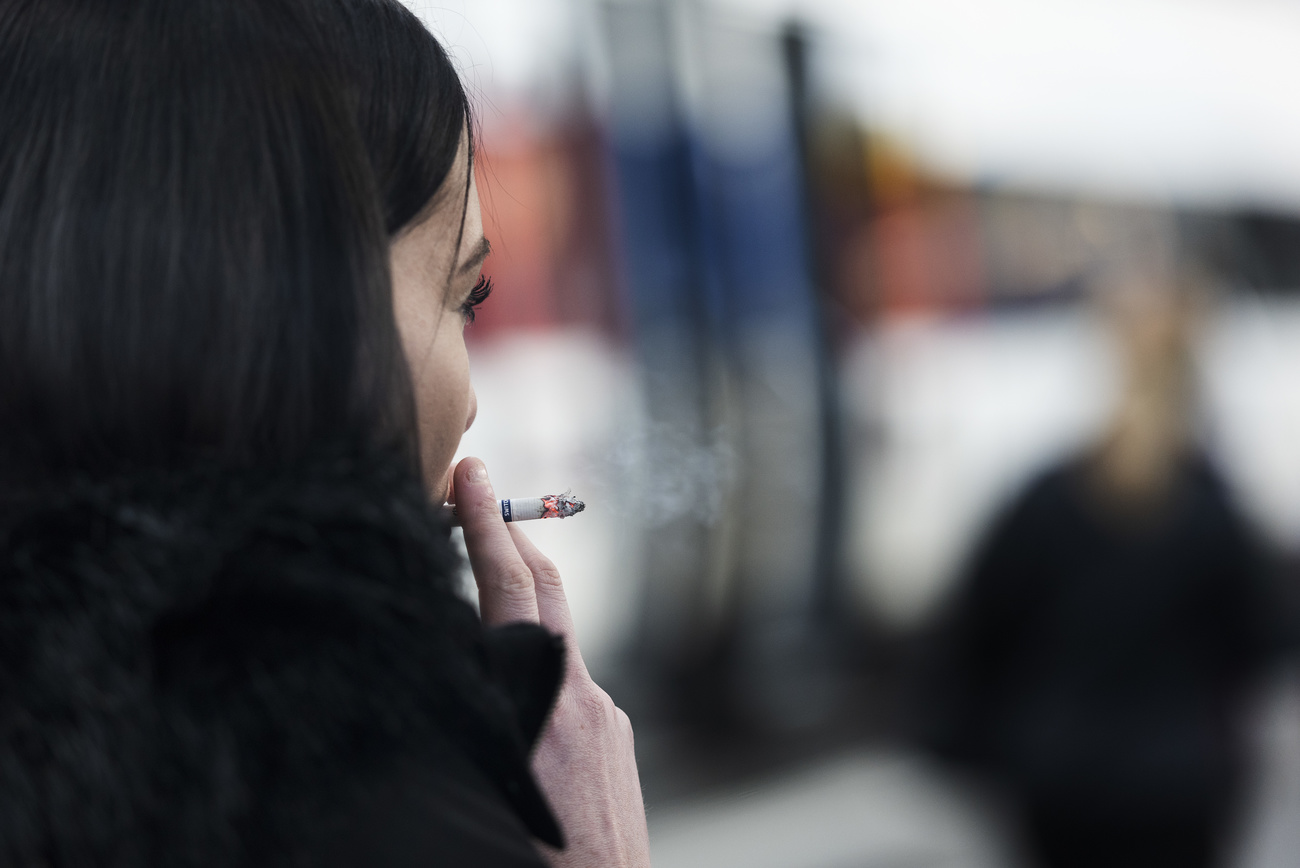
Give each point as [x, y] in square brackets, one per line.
[475, 261]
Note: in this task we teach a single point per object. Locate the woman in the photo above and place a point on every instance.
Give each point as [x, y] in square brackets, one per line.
[227, 627]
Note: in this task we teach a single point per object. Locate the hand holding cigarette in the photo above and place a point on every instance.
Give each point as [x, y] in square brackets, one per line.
[584, 762]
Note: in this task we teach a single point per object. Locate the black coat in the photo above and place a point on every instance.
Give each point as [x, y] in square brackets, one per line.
[1094, 662]
[216, 668]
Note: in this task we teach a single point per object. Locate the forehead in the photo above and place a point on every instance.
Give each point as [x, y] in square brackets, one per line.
[448, 203]
[426, 251]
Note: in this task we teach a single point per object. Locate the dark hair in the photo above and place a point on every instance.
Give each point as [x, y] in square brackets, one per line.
[412, 107]
[193, 255]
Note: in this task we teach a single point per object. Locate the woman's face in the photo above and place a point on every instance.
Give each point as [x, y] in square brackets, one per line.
[432, 317]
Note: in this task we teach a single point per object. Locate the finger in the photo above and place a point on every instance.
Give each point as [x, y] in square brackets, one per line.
[505, 583]
[552, 604]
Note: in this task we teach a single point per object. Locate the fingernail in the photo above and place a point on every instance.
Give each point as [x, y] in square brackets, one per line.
[477, 474]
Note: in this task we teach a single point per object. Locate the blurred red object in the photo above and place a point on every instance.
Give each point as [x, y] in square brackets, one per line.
[546, 212]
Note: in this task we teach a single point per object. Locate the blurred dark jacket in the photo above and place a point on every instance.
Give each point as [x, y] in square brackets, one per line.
[1094, 660]
[258, 668]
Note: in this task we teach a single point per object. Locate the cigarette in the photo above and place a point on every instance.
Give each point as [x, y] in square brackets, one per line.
[529, 508]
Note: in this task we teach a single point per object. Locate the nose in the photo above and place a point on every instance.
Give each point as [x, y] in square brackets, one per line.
[473, 408]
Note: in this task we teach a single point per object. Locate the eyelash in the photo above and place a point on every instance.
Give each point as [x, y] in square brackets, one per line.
[477, 296]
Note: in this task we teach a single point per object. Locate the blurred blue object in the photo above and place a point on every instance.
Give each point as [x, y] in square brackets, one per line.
[726, 318]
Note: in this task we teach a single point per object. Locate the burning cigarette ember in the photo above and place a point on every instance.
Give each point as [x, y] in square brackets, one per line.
[529, 508]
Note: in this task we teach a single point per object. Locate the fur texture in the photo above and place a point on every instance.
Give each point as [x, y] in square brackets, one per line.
[190, 662]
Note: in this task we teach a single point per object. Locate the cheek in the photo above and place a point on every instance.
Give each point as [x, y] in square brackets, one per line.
[444, 401]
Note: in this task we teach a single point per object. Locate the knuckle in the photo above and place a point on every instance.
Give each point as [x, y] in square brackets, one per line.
[595, 706]
[516, 582]
[546, 573]
[623, 724]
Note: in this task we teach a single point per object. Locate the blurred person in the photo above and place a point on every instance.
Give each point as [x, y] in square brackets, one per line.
[239, 241]
[1094, 659]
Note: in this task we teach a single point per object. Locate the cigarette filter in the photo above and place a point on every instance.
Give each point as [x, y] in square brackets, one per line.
[529, 508]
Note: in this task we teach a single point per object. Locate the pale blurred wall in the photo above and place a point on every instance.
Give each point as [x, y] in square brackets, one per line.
[1155, 100]
[953, 414]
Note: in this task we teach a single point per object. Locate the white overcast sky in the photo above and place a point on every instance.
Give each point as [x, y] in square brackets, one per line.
[1193, 101]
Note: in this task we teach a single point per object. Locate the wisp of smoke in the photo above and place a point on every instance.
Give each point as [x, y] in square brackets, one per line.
[665, 474]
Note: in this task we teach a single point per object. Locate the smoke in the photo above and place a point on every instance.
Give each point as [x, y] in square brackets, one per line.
[665, 474]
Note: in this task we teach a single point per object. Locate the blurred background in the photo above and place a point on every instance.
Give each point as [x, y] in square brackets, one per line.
[800, 297]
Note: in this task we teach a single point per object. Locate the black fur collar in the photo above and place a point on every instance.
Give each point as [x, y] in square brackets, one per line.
[185, 658]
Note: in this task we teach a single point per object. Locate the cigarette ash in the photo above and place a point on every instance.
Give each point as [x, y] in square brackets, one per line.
[561, 505]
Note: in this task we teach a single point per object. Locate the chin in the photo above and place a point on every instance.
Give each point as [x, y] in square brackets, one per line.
[440, 489]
